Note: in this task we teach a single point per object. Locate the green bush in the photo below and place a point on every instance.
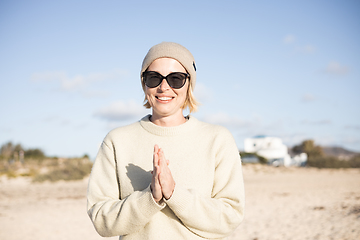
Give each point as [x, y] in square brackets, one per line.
[35, 154]
[326, 162]
[261, 159]
[333, 162]
[354, 162]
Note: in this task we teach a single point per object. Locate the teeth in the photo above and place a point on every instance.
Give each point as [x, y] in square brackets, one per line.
[164, 98]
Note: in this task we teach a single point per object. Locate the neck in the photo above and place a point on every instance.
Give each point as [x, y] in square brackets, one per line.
[168, 121]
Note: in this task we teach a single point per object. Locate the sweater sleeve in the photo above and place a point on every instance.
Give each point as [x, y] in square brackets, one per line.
[111, 215]
[219, 215]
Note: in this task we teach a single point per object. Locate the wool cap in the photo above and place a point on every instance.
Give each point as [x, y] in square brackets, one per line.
[175, 51]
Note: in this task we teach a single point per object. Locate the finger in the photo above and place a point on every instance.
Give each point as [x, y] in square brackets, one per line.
[156, 172]
[167, 183]
[162, 155]
[158, 150]
[156, 187]
[156, 155]
[163, 163]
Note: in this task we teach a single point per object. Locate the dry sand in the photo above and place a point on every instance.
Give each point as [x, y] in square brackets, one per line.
[281, 203]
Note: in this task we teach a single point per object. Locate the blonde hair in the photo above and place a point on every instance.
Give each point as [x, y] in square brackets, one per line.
[190, 101]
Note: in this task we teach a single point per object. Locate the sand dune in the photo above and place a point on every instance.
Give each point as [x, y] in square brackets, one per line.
[281, 203]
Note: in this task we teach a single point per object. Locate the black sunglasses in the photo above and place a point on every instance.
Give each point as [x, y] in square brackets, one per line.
[175, 80]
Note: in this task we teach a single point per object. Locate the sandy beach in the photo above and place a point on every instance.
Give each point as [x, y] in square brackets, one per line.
[281, 203]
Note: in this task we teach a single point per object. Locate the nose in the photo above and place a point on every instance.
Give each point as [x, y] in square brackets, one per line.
[164, 85]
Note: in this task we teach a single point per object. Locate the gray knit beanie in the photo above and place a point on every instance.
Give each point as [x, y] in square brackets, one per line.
[175, 51]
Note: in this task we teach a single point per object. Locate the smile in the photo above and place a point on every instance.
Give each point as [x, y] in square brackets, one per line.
[164, 98]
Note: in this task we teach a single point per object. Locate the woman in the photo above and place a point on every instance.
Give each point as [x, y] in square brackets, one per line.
[167, 176]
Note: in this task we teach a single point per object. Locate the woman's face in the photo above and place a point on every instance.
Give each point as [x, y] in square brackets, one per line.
[164, 100]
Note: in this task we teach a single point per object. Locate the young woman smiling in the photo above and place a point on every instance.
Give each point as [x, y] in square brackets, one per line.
[167, 176]
[166, 102]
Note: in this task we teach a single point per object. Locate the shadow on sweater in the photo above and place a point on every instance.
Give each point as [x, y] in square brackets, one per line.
[140, 179]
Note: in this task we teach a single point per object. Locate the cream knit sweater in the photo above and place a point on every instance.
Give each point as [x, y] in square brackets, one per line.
[208, 200]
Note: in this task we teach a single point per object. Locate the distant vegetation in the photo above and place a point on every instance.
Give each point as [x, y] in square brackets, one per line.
[16, 161]
[9, 151]
[253, 155]
[317, 157]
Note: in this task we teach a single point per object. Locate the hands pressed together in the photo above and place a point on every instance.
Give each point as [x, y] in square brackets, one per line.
[162, 183]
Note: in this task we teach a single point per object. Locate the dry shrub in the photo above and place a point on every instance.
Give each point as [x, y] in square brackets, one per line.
[8, 169]
[69, 169]
[333, 162]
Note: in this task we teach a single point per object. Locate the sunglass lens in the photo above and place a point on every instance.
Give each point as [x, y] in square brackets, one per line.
[176, 80]
[152, 79]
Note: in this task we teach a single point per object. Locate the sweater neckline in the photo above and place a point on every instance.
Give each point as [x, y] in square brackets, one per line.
[167, 131]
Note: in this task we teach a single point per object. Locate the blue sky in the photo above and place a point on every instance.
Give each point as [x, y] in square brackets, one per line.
[69, 70]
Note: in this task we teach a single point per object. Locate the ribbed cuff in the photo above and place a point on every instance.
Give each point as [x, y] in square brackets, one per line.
[180, 200]
[148, 204]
